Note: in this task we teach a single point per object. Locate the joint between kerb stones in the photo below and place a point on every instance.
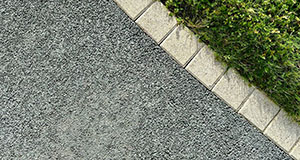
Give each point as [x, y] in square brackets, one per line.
[294, 145]
[143, 11]
[245, 100]
[271, 121]
[167, 35]
[193, 56]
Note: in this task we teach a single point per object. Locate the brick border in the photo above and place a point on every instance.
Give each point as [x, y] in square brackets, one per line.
[183, 46]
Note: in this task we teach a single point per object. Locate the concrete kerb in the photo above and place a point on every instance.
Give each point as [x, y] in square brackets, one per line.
[167, 27]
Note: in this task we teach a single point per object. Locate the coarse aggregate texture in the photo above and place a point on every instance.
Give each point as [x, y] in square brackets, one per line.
[80, 80]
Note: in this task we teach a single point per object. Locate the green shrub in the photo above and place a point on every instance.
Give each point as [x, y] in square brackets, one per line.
[259, 38]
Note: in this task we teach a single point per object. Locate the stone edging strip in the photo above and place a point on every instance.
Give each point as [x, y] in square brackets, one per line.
[181, 44]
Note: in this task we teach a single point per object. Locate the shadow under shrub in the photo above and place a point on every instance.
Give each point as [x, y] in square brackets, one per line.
[259, 38]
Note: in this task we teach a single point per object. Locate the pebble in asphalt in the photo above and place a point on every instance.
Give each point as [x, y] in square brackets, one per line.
[80, 80]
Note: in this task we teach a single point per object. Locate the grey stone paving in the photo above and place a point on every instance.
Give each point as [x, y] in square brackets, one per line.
[80, 80]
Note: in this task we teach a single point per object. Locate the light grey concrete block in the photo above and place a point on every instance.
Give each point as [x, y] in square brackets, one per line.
[283, 131]
[133, 7]
[182, 44]
[156, 21]
[232, 88]
[296, 151]
[205, 67]
[259, 109]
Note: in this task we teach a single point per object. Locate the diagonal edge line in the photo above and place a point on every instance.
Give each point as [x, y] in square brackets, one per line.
[288, 152]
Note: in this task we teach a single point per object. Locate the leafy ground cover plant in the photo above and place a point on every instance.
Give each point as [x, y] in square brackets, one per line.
[259, 38]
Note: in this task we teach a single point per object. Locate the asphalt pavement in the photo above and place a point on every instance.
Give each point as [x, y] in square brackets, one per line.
[80, 80]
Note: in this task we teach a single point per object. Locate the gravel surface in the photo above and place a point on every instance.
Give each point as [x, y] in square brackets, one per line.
[80, 80]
